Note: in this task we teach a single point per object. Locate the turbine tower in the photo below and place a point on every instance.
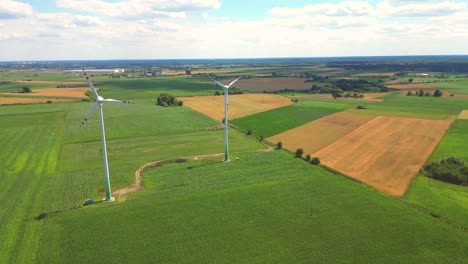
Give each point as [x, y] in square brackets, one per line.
[226, 103]
[99, 101]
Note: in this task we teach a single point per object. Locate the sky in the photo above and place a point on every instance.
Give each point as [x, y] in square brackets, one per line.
[184, 29]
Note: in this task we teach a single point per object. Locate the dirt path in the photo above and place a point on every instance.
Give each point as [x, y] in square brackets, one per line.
[136, 186]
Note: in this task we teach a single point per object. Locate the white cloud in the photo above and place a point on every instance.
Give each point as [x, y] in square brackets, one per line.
[67, 20]
[10, 9]
[136, 9]
[420, 10]
[350, 8]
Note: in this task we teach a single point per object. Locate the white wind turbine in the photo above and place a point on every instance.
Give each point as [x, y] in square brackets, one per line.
[99, 101]
[226, 103]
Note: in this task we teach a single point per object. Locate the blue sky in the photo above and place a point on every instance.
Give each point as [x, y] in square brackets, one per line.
[159, 29]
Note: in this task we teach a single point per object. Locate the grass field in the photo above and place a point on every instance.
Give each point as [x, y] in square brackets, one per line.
[278, 120]
[441, 199]
[319, 133]
[240, 105]
[274, 84]
[49, 165]
[28, 154]
[387, 152]
[454, 143]
[264, 208]
[455, 85]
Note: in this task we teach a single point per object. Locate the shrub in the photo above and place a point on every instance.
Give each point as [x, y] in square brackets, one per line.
[438, 93]
[279, 145]
[452, 170]
[409, 93]
[260, 138]
[308, 157]
[299, 152]
[315, 161]
[249, 132]
[217, 93]
[361, 107]
[165, 99]
[49, 101]
[25, 89]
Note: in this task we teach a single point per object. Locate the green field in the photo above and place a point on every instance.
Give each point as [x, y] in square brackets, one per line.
[267, 207]
[445, 200]
[454, 143]
[264, 207]
[278, 120]
[48, 165]
[454, 85]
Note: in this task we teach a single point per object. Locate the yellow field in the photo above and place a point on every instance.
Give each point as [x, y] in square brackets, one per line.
[19, 100]
[320, 133]
[386, 152]
[374, 74]
[64, 92]
[410, 86]
[463, 115]
[239, 105]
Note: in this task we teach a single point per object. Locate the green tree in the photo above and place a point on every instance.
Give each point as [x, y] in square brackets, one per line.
[308, 157]
[279, 145]
[438, 93]
[299, 152]
[26, 89]
[409, 93]
[410, 80]
[315, 161]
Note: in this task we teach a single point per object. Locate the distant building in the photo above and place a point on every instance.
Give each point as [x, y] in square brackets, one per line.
[424, 74]
[119, 70]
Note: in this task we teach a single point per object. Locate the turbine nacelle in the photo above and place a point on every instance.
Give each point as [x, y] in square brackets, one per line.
[99, 99]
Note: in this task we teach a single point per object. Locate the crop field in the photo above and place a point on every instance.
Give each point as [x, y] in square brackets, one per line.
[410, 86]
[373, 97]
[455, 85]
[386, 152]
[463, 115]
[454, 143]
[274, 84]
[59, 92]
[19, 100]
[240, 105]
[445, 200]
[265, 207]
[278, 120]
[44, 151]
[320, 133]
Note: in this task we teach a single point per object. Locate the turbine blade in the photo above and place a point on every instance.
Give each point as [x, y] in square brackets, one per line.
[233, 82]
[91, 86]
[116, 101]
[93, 109]
[219, 84]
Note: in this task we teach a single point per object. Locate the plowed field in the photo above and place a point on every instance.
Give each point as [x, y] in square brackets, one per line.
[63, 92]
[19, 100]
[410, 86]
[320, 133]
[386, 152]
[239, 105]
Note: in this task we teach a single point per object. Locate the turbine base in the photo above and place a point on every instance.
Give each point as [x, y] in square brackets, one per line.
[105, 200]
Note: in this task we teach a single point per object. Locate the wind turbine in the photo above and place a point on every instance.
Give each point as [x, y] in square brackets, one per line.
[226, 103]
[99, 101]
